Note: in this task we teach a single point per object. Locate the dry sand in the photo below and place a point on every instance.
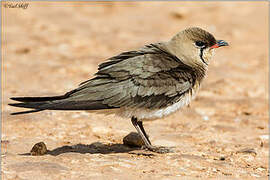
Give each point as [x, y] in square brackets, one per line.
[49, 48]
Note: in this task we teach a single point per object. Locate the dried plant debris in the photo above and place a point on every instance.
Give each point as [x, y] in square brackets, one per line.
[247, 151]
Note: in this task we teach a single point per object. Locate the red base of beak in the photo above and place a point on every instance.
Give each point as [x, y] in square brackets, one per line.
[220, 43]
[214, 46]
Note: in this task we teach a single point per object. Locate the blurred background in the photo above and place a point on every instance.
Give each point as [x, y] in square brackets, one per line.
[50, 47]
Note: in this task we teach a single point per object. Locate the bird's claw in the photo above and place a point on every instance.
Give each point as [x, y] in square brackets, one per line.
[159, 149]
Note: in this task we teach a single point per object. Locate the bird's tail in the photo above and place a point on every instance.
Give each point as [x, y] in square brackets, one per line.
[35, 103]
[64, 102]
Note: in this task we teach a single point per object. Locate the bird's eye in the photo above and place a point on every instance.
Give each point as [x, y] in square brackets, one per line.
[199, 43]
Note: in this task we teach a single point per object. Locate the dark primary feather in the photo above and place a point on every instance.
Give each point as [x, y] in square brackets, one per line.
[37, 99]
[64, 104]
[149, 78]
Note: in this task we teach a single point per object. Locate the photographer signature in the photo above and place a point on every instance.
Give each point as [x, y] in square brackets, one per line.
[16, 5]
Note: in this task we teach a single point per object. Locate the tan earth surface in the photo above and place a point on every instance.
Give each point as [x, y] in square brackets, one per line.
[49, 48]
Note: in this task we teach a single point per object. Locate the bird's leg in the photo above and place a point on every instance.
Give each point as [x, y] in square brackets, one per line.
[143, 131]
[139, 127]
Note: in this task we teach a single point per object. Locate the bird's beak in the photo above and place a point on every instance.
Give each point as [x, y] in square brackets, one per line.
[219, 44]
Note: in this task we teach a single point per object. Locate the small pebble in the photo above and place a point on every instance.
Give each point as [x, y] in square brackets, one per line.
[133, 139]
[177, 15]
[23, 51]
[180, 13]
[39, 149]
[222, 158]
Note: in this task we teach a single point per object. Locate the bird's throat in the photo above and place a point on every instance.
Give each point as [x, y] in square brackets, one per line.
[201, 56]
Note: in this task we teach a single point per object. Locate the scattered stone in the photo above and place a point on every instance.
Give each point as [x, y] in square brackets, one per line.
[247, 113]
[133, 139]
[39, 149]
[222, 158]
[179, 13]
[23, 51]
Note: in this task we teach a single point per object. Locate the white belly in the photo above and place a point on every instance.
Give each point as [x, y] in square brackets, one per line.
[146, 114]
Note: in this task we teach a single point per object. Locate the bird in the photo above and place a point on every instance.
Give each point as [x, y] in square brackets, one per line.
[146, 84]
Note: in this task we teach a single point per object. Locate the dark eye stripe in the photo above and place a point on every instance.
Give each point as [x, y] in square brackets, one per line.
[201, 56]
[200, 43]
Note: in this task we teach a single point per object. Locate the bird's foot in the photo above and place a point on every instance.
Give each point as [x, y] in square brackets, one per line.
[159, 149]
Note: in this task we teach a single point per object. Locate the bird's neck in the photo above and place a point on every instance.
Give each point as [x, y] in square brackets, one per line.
[198, 67]
[200, 71]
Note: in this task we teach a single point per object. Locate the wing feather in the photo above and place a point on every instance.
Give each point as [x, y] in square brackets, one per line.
[148, 78]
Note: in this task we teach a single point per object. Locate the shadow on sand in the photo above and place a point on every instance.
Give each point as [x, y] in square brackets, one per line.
[94, 148]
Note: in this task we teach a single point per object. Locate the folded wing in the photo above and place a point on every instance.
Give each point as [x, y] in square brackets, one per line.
[148, 78]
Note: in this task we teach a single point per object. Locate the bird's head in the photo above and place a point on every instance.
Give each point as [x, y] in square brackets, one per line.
[195, 46]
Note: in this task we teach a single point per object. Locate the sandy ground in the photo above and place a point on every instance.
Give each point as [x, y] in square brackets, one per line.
[49, 48]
